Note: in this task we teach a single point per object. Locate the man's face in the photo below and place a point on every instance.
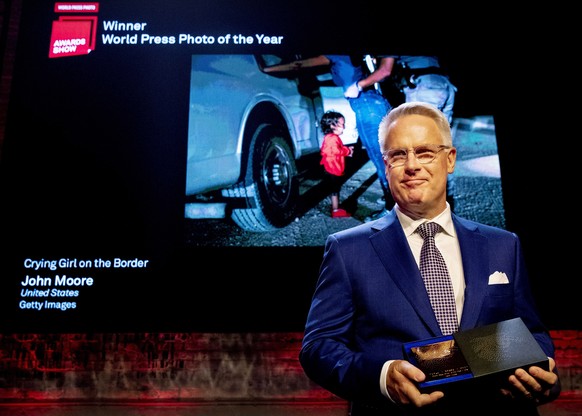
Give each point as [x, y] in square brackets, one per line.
[420, 189]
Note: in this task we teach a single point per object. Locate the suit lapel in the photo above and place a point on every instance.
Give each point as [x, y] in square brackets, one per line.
[475, 253]
[392, 248]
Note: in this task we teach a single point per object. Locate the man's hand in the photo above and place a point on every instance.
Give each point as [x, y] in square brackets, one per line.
[534, 384]
[401, 383]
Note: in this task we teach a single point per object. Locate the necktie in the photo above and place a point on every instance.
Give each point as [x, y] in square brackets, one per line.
[436, 279]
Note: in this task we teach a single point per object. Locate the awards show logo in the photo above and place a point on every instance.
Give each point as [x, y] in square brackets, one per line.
[74, 33]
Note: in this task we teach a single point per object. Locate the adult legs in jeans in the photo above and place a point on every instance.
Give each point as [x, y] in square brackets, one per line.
[436, 90]
[370, 107]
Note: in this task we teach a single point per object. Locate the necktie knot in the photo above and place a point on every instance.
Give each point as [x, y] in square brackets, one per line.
[428, 229]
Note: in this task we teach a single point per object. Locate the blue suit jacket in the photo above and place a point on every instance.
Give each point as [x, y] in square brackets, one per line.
[370, 299]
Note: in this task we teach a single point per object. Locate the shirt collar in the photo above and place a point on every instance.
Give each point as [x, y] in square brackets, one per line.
[444, 219]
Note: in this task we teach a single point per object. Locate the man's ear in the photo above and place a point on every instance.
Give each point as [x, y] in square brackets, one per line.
[451, 159]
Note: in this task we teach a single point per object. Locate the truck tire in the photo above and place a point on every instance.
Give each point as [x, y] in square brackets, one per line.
[270, 188]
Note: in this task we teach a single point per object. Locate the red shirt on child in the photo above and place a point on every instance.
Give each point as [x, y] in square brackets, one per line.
[333, 154]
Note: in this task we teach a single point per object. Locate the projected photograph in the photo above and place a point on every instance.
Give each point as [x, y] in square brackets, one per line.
[254, 175]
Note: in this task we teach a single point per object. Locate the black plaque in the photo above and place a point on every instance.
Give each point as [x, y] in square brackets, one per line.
[492, 351]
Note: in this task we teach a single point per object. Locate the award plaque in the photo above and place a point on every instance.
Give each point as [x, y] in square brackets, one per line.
[488, 351]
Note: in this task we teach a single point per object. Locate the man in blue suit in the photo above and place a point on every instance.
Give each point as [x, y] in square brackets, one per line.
[370, 298]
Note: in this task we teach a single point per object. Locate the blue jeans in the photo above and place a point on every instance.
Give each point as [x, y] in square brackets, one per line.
[370, 107]
[433, 89]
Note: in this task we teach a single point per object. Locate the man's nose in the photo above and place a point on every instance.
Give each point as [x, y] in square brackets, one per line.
[411, 160]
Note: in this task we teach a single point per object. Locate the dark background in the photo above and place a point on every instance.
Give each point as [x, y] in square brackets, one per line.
[93, 160]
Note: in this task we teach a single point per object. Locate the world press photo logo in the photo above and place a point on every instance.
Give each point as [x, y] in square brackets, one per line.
[74, 33]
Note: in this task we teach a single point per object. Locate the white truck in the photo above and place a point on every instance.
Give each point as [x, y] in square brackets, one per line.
[252, 135]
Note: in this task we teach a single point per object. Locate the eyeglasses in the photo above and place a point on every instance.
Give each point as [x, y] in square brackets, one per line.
[424, 153]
